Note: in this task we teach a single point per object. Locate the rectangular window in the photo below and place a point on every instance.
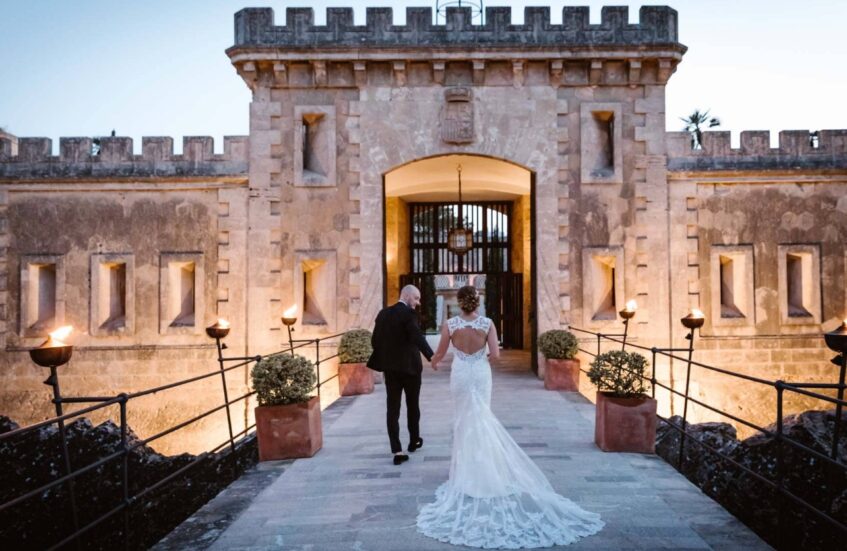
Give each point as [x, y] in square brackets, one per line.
[799, 285]
[182, 299]
[42, 294]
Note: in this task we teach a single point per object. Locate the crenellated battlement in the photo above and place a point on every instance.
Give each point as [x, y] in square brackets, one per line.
[115, 159]
[796, 150]
[254, 27]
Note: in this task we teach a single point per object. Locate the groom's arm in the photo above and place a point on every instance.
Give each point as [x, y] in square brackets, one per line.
[413, 332]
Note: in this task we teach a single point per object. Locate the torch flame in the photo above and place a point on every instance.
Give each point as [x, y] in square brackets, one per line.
[60, 334]
[696, 313]
[291, 312]
[845, 322]
[223, 324]
[631, 306]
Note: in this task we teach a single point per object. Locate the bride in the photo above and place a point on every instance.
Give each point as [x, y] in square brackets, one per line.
[495, 496]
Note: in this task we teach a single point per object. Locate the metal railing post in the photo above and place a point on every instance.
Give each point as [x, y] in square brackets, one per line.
[838, 408]
[53, 382]
[226, 396]
[318, 365]
[780, 465]
[683, 434]
[653, 377]
[125, 468]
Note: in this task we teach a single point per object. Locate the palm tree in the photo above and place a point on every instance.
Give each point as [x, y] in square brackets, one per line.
[693, 124]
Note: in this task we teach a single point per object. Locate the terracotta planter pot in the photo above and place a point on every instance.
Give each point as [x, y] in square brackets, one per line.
[355, 379]
[625, 424]
[561, 375]
[289, 431]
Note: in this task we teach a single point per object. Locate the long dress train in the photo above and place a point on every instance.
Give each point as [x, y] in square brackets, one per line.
[495, 497]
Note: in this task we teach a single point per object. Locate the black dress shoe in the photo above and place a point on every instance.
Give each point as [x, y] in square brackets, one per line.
[400, 458]
[415, 445]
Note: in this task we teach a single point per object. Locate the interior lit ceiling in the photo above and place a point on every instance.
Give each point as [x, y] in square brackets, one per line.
[435, 179]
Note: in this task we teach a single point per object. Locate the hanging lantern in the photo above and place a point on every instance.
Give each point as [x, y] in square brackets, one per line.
[460, 239]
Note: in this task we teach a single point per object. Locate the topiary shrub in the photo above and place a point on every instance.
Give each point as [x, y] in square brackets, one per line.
[283, 379]
[558, 344]
[355, 347]
[619, 373]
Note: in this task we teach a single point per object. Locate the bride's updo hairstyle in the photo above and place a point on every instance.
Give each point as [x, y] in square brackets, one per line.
[468, 299]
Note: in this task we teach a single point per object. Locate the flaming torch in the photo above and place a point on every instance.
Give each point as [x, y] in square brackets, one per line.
[219, 330]
[54, 352]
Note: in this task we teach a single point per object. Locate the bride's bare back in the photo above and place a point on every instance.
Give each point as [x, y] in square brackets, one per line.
[468, 340]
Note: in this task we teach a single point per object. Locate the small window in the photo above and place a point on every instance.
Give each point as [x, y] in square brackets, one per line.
[798, 278]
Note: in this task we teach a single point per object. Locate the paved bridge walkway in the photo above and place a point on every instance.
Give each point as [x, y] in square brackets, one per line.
[350, 496]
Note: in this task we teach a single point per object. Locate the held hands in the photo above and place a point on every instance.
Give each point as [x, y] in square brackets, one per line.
[433, 362]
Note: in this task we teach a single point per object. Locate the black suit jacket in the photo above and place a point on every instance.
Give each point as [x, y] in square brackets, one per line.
[398, 341]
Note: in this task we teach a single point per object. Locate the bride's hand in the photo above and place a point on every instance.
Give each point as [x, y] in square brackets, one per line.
[433, 363]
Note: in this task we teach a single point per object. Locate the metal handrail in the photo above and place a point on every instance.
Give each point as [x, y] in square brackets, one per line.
[779, 386]
[126, 448]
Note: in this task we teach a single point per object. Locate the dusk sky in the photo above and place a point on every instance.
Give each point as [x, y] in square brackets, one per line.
[158, 67]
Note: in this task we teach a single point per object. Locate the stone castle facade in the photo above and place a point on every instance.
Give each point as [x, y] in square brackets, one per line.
[141, 252]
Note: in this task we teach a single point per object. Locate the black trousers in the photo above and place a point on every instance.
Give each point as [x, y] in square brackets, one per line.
[395, 385]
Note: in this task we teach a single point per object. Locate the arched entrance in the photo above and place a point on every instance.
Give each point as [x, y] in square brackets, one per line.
[421, 206]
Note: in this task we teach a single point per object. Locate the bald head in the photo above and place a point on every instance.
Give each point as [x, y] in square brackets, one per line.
[410, 295]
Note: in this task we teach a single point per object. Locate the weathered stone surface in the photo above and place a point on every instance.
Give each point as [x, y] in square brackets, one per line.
[34, 459]
[753, 501]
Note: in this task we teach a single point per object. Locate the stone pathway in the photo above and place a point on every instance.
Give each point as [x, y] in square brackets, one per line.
[350, 495]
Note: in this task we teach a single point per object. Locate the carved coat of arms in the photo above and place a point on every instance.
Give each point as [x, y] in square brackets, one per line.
[457, 123]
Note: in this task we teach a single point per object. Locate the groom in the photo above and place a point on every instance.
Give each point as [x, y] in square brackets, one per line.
[397, 347]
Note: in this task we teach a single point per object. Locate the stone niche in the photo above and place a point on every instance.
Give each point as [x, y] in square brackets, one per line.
[602, 285]
[42, 294]
[799, 285]
[601, 143]
[182, 300]
[314, 146]
[112, 294]
[316, 289]
[732, 294]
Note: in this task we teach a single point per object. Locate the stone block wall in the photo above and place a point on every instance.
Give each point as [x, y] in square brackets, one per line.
[131, 235]
[751, 209]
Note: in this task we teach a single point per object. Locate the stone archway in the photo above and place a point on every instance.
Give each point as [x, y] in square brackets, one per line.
[393, 128]
[420, 206]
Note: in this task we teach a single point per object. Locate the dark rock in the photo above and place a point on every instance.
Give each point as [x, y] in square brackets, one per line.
[34, 459]
[778, 520]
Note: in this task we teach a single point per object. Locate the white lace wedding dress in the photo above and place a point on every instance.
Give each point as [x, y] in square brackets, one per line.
[496, 497]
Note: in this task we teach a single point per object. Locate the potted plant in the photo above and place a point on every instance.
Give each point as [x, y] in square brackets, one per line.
[288, 418]
[561, 368]
[354, 377]
[625, 415]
